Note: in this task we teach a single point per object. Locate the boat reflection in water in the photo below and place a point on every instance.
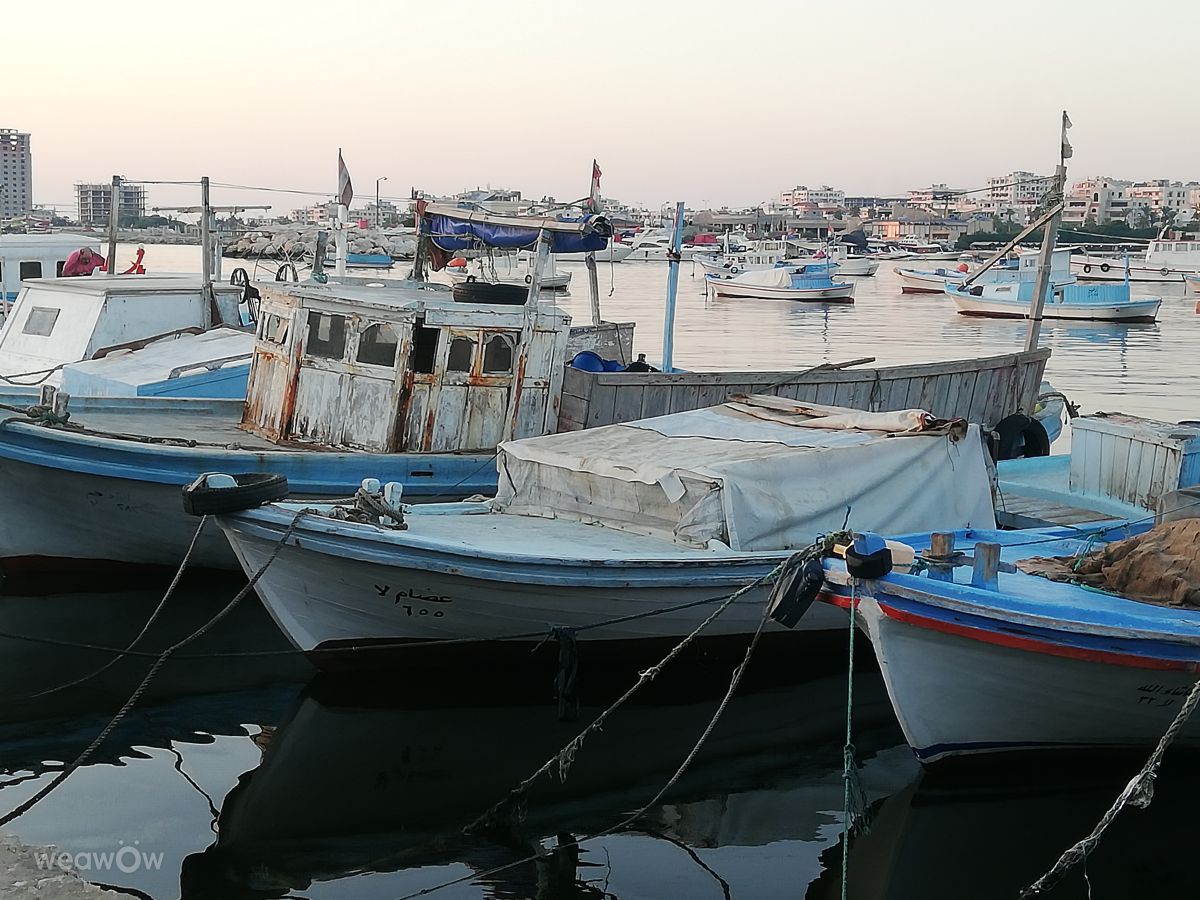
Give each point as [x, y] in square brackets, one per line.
[379, 782]
[52, 639]
[991, 832]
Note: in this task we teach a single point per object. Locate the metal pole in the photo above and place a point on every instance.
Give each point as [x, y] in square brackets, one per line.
[343, 215]
[378, 212]
[1045, 260]
[114, 218]
[206, 293]
[672, 290]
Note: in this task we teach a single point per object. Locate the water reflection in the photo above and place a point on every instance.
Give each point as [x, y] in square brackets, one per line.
[363, 778]
[991, 834]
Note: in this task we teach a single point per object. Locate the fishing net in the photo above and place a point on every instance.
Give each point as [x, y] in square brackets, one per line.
[1160, 566]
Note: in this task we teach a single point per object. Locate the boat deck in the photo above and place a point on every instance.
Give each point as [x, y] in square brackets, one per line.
[208, 422]
[1036, 493]
[1017, 511]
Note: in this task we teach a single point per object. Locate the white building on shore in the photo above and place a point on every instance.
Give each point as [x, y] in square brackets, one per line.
[804, 197]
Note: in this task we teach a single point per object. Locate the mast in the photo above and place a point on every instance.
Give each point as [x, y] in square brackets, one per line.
[1046, 257]
[114, 218]
[589, 260]
[672, 290]
[205, 251]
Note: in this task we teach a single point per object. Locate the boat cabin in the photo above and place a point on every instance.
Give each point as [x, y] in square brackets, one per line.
[402, 369]
[25, 257]
[64, 320]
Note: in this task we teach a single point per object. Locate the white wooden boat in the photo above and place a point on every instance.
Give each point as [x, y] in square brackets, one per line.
[1167, 259]
[803, 284]
[1016, 662]
[1086, 302]
[667, 513]
[1020, 267]
[55, 322]
[27, 257]
[930, 281]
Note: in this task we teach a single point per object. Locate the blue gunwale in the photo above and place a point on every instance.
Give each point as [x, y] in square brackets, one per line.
[1046, 612]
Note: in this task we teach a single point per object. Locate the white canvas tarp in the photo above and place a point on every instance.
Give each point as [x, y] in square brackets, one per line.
[728, 474]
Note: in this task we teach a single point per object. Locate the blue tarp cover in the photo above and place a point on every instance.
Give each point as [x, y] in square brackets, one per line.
[451, 234]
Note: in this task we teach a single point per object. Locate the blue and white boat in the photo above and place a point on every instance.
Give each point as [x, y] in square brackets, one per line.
[666, 515]
[811, 283]
[1087, 302]
[1021, 662]
[1022, 265]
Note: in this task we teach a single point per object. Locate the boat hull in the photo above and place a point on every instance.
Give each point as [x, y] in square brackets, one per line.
[838, 293]
[1114, 270]
[346, 606]
[1131, 311]
[127, 506]
[961, 691]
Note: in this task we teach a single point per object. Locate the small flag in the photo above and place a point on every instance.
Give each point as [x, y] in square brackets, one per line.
[1066, 145]
[594, 193]
[345, 187]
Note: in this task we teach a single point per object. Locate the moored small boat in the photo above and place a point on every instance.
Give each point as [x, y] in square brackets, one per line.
[644, 526]
[1013, 661]
[805, 284]
[1087, 302]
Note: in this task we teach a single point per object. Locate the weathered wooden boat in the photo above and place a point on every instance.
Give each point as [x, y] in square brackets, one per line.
[1078, 302]
[618, 523]
[1020, 267]
[328, 358]
[930, 281]
[967, 661]
[803, 284]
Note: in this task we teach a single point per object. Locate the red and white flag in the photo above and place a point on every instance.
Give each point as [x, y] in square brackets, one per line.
[594, 193]
[345, 188]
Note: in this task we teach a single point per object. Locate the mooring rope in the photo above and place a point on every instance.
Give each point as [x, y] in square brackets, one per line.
[1138, 792]
[91, 748]
[118, 655]
[567, 755]
[853, 797]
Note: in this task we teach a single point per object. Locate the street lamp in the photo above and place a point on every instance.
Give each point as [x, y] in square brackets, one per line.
[378, 214]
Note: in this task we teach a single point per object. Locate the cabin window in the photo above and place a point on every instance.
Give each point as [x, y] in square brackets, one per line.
[497, 355]
[425, 345]
[31, 270]
[378, 345]
[273, 328]
[41, 321]
[462, 351]
[326, 336]
[58, 268]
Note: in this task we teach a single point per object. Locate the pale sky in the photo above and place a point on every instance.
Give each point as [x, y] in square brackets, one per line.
[709, 102]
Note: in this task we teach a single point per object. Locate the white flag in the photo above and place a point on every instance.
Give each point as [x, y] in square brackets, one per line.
[345, 188]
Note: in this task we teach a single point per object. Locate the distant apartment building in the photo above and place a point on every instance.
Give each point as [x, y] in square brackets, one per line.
[935, 194]
[1099, 200]
[1019, 192]
[1162, 194]
[93, 202]
[916, 226]
[379, 216]
[16, 173]
[869, 206]
[317, 214]
[803, 197]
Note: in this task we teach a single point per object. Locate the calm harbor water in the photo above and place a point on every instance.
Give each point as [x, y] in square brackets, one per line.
[242, 776]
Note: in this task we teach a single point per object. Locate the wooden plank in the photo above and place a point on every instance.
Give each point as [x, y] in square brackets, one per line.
[572, 413]
[684, 397]
[602, 406]
[979, 395]
[627, 404]
[711, 395]
[656, 400]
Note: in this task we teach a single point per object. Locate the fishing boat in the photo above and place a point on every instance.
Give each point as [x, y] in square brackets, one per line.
[58, 322]
[26, 257]
[1168, 258]
[811, 283]
[1086, 302]
[1193, 282]
[989, 661]
[654, 245]
[327, 401]
[1016, 266]
[640, 525]
[926, 249]
[768, 254]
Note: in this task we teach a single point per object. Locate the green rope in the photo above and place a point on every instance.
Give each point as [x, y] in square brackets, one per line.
[854, 800]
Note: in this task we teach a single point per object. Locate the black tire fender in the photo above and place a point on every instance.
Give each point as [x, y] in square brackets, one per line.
[1021, 437]
[1087, 268]
[1104, 267]
[485, 292]
[253, 489]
